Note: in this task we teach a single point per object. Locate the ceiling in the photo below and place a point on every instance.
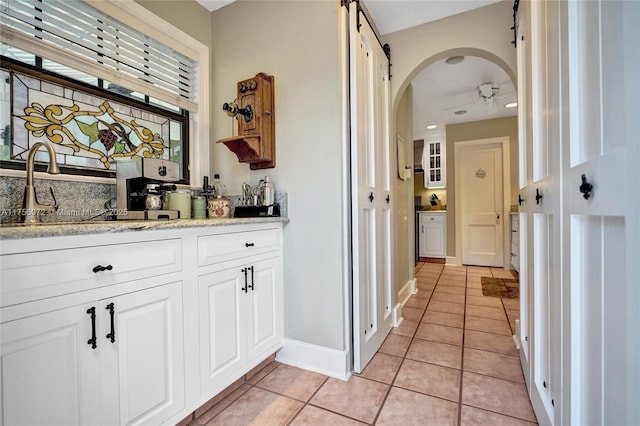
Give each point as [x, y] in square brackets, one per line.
[440, 89]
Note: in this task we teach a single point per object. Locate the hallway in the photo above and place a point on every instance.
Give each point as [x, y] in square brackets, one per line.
[452, 361]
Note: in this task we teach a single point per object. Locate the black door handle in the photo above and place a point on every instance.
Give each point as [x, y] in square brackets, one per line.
[520, 200]
[252, 281]
[245, 280]
[538, 196]
[586, 187]
[101, 268]
[249, 244]
[111, 336]
[388, 199]
[93, 341]
[371, 197]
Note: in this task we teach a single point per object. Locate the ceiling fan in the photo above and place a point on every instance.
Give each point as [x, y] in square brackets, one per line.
[487, 95]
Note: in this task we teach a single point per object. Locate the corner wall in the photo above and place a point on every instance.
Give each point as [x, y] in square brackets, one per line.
[297, 43]
[404, 208]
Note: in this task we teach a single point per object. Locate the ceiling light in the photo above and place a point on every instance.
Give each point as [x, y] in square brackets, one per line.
[433, 126]
[511, 105]
[454, 60]
[460, 112]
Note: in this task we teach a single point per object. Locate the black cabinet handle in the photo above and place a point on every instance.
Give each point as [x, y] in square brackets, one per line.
[249, 244]
[371, 197]
[245, 270]
[586, 187]
[252, 281]
[93, 341]
[101, 268]
[520, 200]
[388, 199]
[538, 196]
[111, 336]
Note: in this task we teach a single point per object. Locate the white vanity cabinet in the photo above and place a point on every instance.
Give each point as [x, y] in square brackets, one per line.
[240, 305]
[107, 355]
[432, 234]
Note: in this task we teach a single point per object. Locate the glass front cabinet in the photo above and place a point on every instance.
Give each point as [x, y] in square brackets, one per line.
[434, 164]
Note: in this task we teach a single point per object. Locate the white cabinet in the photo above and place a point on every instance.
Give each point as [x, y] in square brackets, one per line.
[432, 234]
[515, 242]
[434, 164]
[49, 374]
[241, 313]
[177, 316]
[52, 361]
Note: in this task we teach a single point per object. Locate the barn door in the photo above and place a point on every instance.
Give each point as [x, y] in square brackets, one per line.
[601, 217]
[541, 210]
[371, 190]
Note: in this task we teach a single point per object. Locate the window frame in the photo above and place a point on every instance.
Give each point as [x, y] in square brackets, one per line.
[139, 17]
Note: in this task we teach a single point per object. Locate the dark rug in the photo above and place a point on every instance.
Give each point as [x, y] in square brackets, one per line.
[501, 287]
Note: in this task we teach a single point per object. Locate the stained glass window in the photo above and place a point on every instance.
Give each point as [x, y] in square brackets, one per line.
[89, 131]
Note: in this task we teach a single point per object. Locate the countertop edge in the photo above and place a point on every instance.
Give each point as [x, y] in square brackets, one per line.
[16, 232]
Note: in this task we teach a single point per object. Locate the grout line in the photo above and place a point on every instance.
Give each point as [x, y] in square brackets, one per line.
[464, 325]
[404, 356]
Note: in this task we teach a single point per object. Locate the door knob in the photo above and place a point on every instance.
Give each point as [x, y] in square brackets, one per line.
[586, 187]
[538, 196]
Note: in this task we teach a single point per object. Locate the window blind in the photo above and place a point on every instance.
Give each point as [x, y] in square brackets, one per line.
[77, 35]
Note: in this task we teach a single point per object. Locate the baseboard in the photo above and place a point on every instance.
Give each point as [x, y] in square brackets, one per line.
[397, 315]
[454, 261]
[410, 288]
[320, 359]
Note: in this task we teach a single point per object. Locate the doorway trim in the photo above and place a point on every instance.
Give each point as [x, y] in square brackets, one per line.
[504, 141]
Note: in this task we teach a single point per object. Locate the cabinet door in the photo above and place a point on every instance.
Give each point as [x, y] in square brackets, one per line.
[50, 374]
[432, 236]
[222, 328]
[264, 310]
[143, 369]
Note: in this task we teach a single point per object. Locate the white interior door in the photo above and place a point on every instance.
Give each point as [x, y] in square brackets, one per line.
[371, 190]
[602, 225]
[480, 181]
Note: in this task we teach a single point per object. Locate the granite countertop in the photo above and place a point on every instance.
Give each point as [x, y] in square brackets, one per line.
[12, 231]
[431, 211]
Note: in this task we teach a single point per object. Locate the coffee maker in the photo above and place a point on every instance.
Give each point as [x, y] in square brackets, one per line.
[140, 187]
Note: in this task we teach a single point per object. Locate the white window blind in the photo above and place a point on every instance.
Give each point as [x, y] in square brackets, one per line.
[77, 35]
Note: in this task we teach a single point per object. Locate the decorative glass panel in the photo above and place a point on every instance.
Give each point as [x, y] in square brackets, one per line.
[87, 131]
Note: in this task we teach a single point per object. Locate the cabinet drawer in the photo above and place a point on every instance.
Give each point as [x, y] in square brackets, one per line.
[38, 275]
[222, 247]
[432, 218]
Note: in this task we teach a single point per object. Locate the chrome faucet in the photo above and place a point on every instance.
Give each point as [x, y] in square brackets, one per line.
[31, 209]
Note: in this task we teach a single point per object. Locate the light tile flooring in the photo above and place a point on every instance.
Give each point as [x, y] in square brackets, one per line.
[452, 361]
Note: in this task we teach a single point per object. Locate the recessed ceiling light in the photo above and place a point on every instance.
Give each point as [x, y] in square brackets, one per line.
[460, 112]
[433, 126]
[511, 105]
[454, 60]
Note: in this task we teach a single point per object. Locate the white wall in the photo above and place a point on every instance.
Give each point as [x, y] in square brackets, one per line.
[297, 43]
[480, 32]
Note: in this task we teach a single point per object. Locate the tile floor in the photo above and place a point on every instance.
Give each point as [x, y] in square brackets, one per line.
[452, 361]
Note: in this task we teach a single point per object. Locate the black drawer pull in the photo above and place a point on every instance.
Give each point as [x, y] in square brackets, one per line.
[245, 270]
[111, 336]
[252, 281]
[249, 244]
[93, 341]
[101, 268]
